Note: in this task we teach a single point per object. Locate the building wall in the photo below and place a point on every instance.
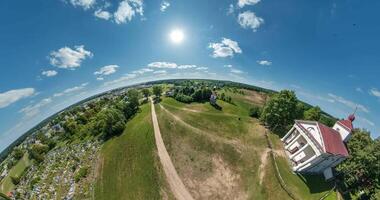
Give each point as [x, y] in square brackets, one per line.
[323, 162]
[344, 133]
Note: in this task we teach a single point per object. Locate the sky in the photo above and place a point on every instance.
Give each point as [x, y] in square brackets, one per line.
[55, 53]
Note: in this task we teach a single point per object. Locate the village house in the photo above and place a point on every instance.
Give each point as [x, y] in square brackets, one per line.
[312, 147]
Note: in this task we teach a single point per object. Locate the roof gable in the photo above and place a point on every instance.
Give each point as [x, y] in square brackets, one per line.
[346, 124]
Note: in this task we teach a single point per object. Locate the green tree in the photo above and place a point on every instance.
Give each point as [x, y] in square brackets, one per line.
[133, 99]
[18, 153]
[109, 122]
[145, 92]
[328, 121]
[157, 90]
[70, 126]
[360, 172]
[255, 111]
[313, 114]
[222, 96]
[279, 112]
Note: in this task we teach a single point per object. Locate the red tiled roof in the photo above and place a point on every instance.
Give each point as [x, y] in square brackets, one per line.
[332, 140]
[346, 123]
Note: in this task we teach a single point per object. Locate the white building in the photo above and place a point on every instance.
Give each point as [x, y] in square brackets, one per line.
[312, 147]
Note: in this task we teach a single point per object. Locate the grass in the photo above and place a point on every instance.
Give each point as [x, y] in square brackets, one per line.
[304, 186]
[128, 168]
[223, 125]
[191, 153]
[7, 185]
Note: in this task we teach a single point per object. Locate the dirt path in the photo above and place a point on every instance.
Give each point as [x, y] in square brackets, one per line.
[176, 185]
[263, 164]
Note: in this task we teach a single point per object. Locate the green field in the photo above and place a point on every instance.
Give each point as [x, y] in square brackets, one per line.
[17, 170]
[129, 168]
[193, 153]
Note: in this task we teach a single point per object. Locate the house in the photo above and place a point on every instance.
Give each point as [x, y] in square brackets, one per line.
[213, 98]
[312, 147]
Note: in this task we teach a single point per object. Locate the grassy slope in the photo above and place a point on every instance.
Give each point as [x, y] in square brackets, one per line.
[213, 121]
[17, 170]
[129, 163]
[191, 152]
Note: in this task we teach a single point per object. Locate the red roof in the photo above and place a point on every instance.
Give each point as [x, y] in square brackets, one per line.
[332, 140]
[347, 123]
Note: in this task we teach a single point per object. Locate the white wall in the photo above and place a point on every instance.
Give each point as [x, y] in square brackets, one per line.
[342, 131]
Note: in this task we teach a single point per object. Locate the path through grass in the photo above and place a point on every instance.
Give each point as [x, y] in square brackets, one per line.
[129, 168]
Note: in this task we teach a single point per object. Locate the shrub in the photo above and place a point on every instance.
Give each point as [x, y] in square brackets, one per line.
[255, 111]
[82, 173]
[15, 180]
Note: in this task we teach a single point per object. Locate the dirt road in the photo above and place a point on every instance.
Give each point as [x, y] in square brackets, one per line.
[176, 185]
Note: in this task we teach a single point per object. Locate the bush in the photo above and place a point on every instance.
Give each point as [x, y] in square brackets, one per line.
[255, 112]
[82, 173]
[184, 98]
[18, 153]
[15, 180]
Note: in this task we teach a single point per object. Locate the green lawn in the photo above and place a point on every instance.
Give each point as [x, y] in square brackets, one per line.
[304, 186]
[17, 170]
[192, 152]
[129, 166]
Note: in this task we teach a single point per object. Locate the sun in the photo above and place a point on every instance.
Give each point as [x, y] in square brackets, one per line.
[177, 36]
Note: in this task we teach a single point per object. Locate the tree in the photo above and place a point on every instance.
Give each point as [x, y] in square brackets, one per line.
[279, 112]
[70, 126]
[18, 153]
[133, 99]
[255, 111]
[328, 121]
[360, 172]
[109, 122]
[222, 96]
[146, 92]
[157, 90]
[313, 114]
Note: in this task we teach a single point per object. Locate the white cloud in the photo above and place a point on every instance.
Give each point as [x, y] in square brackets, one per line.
[186, 66]
[33, 110]
[367, 121]
[124, 78]
[71, 90]
[164, 5]
[242, 3]
[160, 72]
[358, 89]
[375, 92]
[68, 58]
[264, 62]
[236, 71]
[249, 20]
[99, 78]
[202, 68]
[107, 70]
[11, 96]
[85, 4]
[127, 10]
[142, 71]
[49, 73]
[226, 48]
[102, 14]
[168, 65]
[228, 66]
[231, 9]
[349, 103]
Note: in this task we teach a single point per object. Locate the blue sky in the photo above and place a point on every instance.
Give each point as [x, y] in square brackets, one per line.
[54, 53]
